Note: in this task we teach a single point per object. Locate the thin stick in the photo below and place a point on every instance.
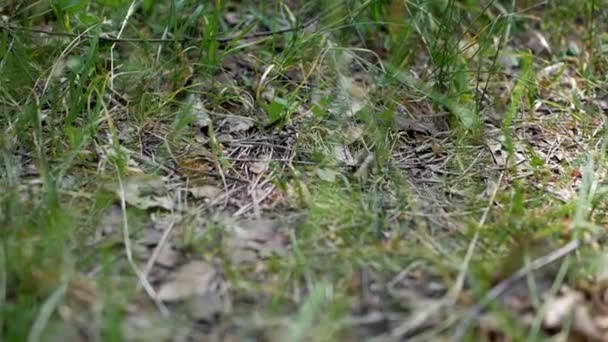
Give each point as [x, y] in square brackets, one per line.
[106, 38]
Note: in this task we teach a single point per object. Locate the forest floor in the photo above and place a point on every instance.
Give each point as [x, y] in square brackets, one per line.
[303, 170]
